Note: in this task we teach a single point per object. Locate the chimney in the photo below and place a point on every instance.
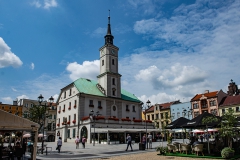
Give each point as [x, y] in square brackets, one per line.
[14, 103]
[206, 91]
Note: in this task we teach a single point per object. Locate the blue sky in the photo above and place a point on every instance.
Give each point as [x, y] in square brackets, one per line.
[169, 50]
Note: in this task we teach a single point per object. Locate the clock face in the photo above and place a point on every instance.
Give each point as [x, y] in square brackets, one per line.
[113, 52]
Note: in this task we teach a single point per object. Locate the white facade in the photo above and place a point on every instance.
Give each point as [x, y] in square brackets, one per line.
[117, 108]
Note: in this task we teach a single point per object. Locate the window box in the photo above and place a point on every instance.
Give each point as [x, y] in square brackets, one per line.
[74, 121]
[58, 124]
[69, 108]
[99, 117]
[137, 120]
[63, 110]
[148, 121]
[127, 110]
[68, 122]
[74, 106]
[59, 111]
[100, 107]
[113, 118]
[126, 119]
[63, 123]
[85, 118]
[91, 105]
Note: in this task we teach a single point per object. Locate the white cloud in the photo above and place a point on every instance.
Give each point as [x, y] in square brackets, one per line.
[89, 69]
[32, 66]
[7, 100]
[13, 89]
[46, 4]
[99, 32]
[22, 97]
[7, 58]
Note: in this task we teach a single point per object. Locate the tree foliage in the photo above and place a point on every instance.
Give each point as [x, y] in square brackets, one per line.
[227, 126]
[36, 114]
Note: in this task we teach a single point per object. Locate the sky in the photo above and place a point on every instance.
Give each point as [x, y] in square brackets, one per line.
[168, 50]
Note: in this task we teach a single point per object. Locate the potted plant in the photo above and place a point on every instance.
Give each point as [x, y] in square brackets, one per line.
[162, 150]
[227, 152]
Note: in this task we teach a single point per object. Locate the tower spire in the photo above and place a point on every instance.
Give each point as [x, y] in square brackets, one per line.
[108, 37]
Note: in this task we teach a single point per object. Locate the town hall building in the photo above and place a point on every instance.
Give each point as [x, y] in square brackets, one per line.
[100, 109]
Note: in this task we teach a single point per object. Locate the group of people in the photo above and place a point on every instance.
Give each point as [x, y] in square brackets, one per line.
[145, 140]
[82, 140]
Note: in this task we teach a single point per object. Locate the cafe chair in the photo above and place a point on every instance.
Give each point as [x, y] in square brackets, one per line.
[185, 148]
[198, 148]
[171, 147]
[177, 146]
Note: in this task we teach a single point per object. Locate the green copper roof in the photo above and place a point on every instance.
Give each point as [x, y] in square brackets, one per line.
[88, 86]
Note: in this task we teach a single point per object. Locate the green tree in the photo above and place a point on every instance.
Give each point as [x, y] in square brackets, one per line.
[36, 114]
[227, 126]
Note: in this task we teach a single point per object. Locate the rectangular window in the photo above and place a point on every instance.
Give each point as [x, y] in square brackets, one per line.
[75, 103]
[68, 133]
[127, 109]
[70, 92]
[50, 116]
[99, 104]
[237, 109]
[173, 115]
[223, 111]
[157, 116]
[196, 114]
[148, 117]
[112, 61]
[54, 126]
[74, 133]
[102, 62]
[90, 102]
[166, 115]
[64, 94]
[133, 107]
[195, 105]
[161, 115]
[113, 81]
[74, 116]
[152, 116]
[156, 108]
[54, 116]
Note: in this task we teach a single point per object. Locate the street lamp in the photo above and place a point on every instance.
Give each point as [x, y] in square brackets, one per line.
[148, 105]
[94, 115]
[40, 100]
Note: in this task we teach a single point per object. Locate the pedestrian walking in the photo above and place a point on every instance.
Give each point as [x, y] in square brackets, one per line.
[83, 141]
[59, 144]
[77, 142]
[150, 140]
[144, 140]
[129, 142]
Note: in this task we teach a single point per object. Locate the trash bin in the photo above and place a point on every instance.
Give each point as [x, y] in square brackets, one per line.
[141, 146]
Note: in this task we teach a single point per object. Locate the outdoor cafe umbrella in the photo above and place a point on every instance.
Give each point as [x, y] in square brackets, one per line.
[177, 123]
[197, 122]
[27, 135]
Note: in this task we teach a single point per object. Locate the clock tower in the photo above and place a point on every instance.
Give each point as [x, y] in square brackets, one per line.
[109, 80]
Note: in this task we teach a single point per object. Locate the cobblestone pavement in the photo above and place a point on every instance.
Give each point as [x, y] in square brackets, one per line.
[145, 156]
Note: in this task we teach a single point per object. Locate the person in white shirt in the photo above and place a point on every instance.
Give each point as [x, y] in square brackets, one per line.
[59, 144]
[129, 142]
[150, 140]
[77, 142]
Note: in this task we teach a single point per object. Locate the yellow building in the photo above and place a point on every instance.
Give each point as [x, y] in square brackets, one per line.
[230, 102]
[14, 109]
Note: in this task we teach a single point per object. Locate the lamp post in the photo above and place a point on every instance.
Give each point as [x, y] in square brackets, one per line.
[40, 100]
[148, 105]
[188, 113]
[94, 115]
